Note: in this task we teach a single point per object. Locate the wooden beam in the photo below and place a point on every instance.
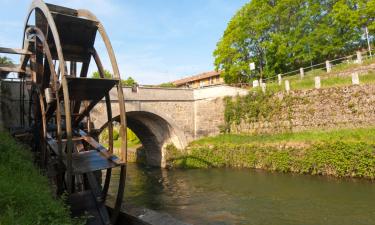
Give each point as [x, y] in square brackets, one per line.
[14, 51]
[100, 148]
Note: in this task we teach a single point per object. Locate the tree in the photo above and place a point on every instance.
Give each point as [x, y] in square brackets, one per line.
[283, 35]
[107, 74]
[128, 82]
[5, 61]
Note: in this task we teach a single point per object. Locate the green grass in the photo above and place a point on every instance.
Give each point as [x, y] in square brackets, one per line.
[341, 153]
[327, 79]
[25, 195]
[131, 143]
[133, 140]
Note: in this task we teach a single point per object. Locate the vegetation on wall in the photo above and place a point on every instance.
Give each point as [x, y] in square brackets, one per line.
[168, 84]
[133, 140]
[25, 195]
[284, 35]
[253, 107]
[341, 153]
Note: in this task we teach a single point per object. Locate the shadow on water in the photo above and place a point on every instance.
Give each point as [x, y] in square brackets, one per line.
[243, 196]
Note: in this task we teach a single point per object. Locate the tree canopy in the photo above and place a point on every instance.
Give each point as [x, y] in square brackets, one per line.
[107, 74]
[128, 82]
[5, 61]
[283, 35]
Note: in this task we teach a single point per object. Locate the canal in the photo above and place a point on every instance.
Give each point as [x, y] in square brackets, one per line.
[244, 196]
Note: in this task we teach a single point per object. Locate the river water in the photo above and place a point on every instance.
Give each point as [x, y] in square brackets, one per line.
[245, 196]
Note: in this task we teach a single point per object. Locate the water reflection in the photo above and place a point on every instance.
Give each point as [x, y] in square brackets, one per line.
[233, 196]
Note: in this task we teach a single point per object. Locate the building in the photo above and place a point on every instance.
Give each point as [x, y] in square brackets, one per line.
[200, 80]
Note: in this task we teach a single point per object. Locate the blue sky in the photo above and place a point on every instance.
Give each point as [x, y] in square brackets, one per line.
[155, 41]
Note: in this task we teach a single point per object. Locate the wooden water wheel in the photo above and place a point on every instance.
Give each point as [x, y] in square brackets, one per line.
[58, 44]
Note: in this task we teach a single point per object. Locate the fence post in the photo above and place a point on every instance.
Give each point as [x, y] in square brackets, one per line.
[317, 82]
[355, 78]
[279, 78]
[359, 57]
[255, 83]
[287, 86]
[328, 66]
[302, 72]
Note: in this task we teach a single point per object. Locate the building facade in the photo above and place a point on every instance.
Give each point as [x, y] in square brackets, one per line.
[200, 80]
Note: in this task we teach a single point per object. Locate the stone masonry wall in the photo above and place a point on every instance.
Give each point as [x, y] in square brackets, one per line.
[209, 117]
[330, 108]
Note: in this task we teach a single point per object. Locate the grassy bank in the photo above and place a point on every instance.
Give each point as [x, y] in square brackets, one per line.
[25, 195]
[327, 80]
[341, 153]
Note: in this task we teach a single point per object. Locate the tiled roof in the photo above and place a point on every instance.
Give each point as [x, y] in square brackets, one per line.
[196, 77]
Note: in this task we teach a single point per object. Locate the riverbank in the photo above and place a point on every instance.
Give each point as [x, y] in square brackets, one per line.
[340, 153]
[25, 195]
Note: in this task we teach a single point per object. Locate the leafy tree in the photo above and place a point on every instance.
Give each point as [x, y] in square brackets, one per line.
[283, 35]
[5, 60]
[128, 82]
[107, 74]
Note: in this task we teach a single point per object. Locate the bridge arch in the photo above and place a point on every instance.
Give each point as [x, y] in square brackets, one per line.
[155, 131]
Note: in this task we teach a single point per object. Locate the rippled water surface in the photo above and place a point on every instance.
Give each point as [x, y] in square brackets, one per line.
[242, 196]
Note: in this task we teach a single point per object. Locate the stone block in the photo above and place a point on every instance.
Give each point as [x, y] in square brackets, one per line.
[328, 66]
[359, 57]
[355, 78]
[317, 82]
[263, 86]
[287, 86]
[255, 83]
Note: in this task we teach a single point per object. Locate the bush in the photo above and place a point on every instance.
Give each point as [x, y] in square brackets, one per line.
[338, 158]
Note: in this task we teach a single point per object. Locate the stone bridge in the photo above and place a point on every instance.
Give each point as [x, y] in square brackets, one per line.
[158, 116]
[162, 116]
